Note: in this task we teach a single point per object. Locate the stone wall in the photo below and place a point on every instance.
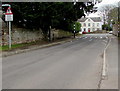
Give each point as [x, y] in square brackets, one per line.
[20, 35]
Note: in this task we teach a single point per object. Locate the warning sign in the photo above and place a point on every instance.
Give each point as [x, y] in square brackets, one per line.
[9, 15]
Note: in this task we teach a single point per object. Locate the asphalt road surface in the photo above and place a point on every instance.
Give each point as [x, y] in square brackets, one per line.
[72, 65]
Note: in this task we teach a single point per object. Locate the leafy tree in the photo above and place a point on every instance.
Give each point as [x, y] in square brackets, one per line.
[106, 27]
[76, 26]
[35, 15]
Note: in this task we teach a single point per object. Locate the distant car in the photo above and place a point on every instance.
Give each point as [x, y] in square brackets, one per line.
[110, 32]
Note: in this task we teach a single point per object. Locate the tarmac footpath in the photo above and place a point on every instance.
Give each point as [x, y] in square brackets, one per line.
[111, 79]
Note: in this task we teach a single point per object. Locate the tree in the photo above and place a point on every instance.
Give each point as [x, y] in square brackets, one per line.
[106, 27]
[76, 27]
[35, 15]
[105, 10]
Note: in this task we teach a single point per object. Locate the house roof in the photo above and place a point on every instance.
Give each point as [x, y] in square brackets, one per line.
[82, 19]
[95, 19]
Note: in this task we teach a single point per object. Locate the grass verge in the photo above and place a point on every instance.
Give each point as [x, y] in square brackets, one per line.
[6, 47]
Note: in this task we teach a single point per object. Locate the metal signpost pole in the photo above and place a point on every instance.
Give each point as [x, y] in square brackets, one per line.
[9, 35]
[9, 18]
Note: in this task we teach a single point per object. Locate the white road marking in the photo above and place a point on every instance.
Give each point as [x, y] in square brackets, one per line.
[90, 39]
[104, 69]
[105, 41]
[83, 38]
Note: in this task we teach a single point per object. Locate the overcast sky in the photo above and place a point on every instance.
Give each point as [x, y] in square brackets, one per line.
[103, 3]
[106, 2]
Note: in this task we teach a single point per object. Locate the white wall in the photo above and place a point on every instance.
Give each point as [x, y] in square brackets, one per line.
[91, 27]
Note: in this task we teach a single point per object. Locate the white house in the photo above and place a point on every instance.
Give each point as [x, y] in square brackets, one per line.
[90, 24]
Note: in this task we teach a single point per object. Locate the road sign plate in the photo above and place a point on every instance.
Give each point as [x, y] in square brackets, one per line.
[9, 17]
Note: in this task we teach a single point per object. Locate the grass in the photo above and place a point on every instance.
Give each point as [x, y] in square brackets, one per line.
[6, 47]
[37, 42]
[22, 45]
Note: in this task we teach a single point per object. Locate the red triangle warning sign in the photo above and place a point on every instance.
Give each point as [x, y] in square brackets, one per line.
[9, 12]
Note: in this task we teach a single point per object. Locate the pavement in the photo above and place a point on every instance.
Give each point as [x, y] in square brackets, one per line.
[111, 80]
[76, 64]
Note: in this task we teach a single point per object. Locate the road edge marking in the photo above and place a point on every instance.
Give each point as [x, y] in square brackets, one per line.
[104, 68]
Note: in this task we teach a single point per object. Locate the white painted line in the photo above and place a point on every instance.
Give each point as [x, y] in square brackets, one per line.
[104, 65]
[104, 61]
[105, 41]
[90, 39]
[83, 38]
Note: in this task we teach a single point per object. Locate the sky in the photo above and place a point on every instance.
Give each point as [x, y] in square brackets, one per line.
[106, 2]
[103, 3]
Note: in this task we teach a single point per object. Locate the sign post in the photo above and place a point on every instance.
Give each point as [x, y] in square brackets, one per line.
[74, 30]
[9, 18]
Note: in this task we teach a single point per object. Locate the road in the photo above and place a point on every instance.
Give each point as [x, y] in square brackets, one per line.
[72, 65]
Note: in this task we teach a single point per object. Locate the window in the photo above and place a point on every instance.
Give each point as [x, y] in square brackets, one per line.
[88, 24]
[84, 24]
[97, 24]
